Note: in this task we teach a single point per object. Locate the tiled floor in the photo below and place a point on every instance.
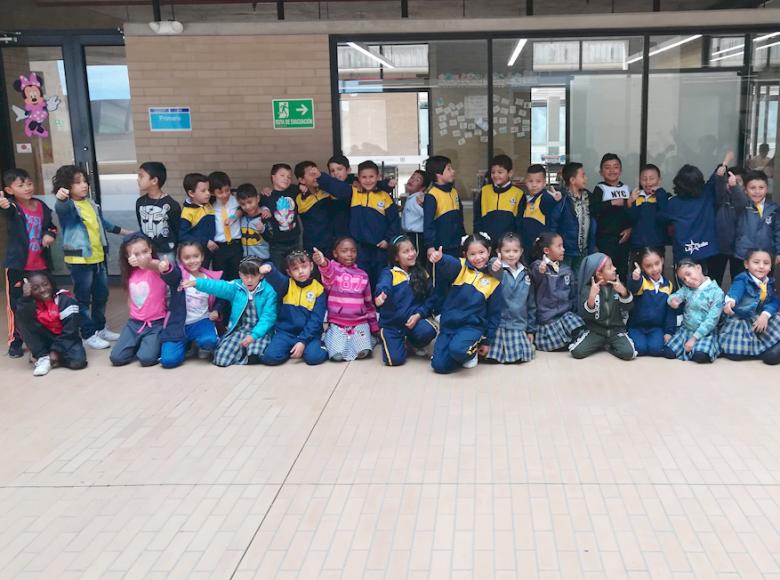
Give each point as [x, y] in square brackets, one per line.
[555, 469]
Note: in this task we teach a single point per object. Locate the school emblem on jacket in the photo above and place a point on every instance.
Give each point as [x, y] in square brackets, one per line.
[567, 279]
[512, 200]
[484, 282]
[380, 204]
[310, 296]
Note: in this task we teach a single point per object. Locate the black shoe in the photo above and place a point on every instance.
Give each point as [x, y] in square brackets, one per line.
[15, 349]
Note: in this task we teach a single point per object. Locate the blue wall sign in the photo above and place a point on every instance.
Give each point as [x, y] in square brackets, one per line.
[170, 119]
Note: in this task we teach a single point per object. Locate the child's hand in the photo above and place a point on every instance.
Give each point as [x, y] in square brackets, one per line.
[420, 200]
[302, 188]
[265, 269]
[542, 267]
[634, 196]
[496, 267]
[383, 244]
[728, 308]
[392, 182]
[247, 341]
[618, 286]
[297, 350]
[47, 240]
[728, 158]
[125, 232]
[212, 245]
[163, 266]
[594, 288]
[380, 299]
[483, 350]
[637, 273]
[434, 255]
[188, 284]
[26, 289]
[133, 261]
[62, 194]
[4, 201]
[213, 316]
[555, 194]
[265, 213]
[690, 343]
[675, 303]
[624, 235]
[732, 181]
[761, 322]
[531, 337]
[412, 321]
[667, 338]
[227, 221]
[318, 258]
[266, 192]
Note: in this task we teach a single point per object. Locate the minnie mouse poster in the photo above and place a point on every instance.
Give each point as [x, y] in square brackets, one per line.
[36, 105]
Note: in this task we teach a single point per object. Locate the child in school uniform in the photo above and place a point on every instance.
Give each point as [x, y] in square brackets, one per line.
[647, 229]
[253, 226]
[514, 338]
[31, 232]
[351, 313]
[227, 227]
[652, 321]
[298, 330]
[48, 320]
[314, 206]
[252, 313]
[497, 206]
[751, 328]
[758, 218]
[603, 303]
[471, 311]
[575, 223]
[442, 209]
[413, 214]
[197, 222]
[555, 295]
[539, 208]
[85, 245]
[697, 337]
[405, 300]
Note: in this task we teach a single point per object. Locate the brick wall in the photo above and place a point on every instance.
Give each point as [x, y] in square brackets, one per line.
[229, 82]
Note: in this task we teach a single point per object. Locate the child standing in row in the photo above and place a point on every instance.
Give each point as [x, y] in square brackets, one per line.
[758, 219]
[442, 209]
[146, 301]
[405, 299]
[197, 217]
[604, 303]
[609, 209]
[752, 327]
[539, 208]
[574, 223]
[314, 208]
[351, 312]
[227, 230]
[696, 339]
[31, 233]
[192, 312]
[298, 331]
[282, 215]
[252, 313]
[472, 308]
[555, 295]
[413, 215]
[652, 321]
[49, 323]
[85, 245]
[158, 214]
[515, 334]
[648, 228]
[496, 208]
[251, 221]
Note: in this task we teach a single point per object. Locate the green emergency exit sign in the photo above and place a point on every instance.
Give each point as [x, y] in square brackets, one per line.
[293, 113]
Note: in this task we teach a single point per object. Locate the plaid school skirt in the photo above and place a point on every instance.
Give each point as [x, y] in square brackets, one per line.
[229, 350]
[348, 341]
[708, 345]
[511, 345]
[737, 336]
[558, 333]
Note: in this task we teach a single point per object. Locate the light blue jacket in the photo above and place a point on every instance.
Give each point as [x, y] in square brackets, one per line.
[74, 235]
[702, 308]
[237, 294]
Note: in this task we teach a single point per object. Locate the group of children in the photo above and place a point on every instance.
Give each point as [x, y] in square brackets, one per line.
[328, 267]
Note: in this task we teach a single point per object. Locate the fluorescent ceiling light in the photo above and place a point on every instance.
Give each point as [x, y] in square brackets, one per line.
[516, 52]
[732, 49]
[664, 48]
[768, 45]
[736, 54]
[760, 38]
[369, 54]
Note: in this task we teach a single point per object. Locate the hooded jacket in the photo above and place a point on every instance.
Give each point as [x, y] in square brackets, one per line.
[610, 309]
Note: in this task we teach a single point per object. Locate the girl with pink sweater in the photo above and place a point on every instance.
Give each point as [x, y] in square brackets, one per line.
[351, 313]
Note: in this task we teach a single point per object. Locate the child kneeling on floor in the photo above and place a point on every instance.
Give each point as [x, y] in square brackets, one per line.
[351, 312]
[48, 321]
[252, 313]
[603, 303]
[298, 332]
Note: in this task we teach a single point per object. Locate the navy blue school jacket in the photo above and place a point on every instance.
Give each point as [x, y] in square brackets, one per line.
[540, 213]
[497, 210]
[651, 309]
[302, 305]
[314, 209]
[648, 228]
[443, 217]
[197, 223]
[401, 303]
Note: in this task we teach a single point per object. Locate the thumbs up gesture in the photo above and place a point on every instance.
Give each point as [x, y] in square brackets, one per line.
[496, 267]
[380, 299]
[435, 256]
[62, 194]
[318, 257]
[637, 273]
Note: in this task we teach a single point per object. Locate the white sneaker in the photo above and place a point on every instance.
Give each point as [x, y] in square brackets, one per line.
[471, 363]
[107, 334]
[42, 366]
[420, 352]
[96, 342]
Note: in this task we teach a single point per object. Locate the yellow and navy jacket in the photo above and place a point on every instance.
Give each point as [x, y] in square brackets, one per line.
[473, 300]
[497, 210]
[197, 223]
[443, 221]
[650, 305]
[314, 209]
[401, 302]
[373, 214]
[648, 229]
[540, 213]
[302, 306]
